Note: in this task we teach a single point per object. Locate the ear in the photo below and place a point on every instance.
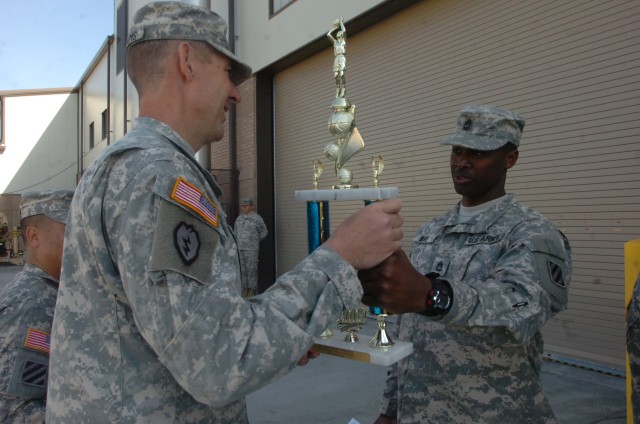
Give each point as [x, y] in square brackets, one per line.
[186, 61]
[511, 159]
[32, 236]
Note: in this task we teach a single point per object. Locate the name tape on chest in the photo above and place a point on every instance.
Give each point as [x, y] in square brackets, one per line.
[193, 198]
[484, 239]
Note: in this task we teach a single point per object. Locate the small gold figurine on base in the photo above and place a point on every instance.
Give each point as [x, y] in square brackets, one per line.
[351, 322]
[381, 339]
[378, 165]
[317, 171]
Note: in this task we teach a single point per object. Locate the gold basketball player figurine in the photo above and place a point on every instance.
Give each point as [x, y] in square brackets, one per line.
[342, 121]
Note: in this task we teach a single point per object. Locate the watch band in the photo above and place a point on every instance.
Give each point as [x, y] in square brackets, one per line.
[440, 297]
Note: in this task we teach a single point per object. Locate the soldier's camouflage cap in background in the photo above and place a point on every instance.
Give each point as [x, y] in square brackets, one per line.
[480, 127]
[52, 203]
[172, 20]
[247, 201]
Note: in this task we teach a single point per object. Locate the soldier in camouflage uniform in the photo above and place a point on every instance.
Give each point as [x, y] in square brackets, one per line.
[482, 281]
[26, 308]
[150, 324]
[250, 230]
[633, 348]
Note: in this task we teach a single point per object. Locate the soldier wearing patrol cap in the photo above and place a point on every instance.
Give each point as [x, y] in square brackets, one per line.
[250, 230]
[482, 281]
[150, 324]
[26, 308]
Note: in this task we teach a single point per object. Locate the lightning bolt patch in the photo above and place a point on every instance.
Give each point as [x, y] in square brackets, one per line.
[187, 242]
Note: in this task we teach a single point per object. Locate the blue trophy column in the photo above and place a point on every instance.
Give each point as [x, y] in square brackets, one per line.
[318, 227]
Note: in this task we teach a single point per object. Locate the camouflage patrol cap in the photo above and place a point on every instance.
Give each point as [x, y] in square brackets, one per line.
[247, 201]
[53, 204]
[173, 20]
[486, 128]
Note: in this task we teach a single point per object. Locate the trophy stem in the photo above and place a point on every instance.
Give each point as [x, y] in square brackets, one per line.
[381, 339]
[318, 226]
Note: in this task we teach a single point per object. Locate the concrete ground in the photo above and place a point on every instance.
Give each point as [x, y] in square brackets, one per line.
[331, 390]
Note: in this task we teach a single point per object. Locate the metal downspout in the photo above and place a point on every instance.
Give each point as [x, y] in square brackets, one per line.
[80, 134]
[233, 141]
[109, 92]
[203, 155]
[126, 73]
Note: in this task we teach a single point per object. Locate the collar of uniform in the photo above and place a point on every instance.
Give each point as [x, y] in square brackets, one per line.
[166, 130]
[479, 223]
[32, 269]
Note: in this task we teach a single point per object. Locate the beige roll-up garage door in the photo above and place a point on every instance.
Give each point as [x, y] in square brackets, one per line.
[571, 68]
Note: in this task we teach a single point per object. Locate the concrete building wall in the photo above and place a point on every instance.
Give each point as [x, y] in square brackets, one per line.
[95, 96]
[263, 39]
[40, 138]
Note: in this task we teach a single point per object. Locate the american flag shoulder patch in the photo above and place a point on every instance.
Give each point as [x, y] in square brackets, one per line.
[38, 340]
[193, 198]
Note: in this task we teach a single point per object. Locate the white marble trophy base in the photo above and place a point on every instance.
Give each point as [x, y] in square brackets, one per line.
[361, 351]
[370, 193]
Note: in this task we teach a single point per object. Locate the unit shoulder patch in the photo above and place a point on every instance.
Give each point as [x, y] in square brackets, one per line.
[187, 241]
[34, 373]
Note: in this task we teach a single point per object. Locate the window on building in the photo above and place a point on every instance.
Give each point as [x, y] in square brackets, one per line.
[105, 124]
[122, 28]
[276, 6]
[92, 140]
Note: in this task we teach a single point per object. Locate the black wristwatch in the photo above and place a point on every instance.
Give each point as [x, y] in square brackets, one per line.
[440, 297]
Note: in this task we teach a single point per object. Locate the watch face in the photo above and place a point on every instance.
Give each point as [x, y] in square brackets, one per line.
[441, 301]
[439, 298]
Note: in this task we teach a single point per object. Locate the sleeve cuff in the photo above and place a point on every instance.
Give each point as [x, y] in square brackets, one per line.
[465, 300]
[341, 274]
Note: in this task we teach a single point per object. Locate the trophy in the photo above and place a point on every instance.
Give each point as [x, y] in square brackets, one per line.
[380, 350]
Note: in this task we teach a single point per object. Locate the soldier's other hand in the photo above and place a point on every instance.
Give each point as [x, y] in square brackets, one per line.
[306, 358]
[395, 285]
[369, 236]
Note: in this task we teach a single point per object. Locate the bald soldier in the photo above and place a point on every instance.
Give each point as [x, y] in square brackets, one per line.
[482, 281]
[150, 323]
[26, 308]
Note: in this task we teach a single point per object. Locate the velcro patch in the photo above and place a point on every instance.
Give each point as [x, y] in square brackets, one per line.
[38, 340]
[193, 198]
[183, 243]
[34, 374]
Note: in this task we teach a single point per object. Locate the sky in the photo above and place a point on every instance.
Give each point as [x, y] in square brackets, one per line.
[50, 43]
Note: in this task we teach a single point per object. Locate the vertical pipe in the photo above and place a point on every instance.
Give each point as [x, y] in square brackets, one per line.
[203, 156]
[126, 75]
[80, 133]
[233, 148]
[109, 90]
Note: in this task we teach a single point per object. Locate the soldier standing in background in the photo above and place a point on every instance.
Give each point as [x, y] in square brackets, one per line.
[26, 308]
[250, 230]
